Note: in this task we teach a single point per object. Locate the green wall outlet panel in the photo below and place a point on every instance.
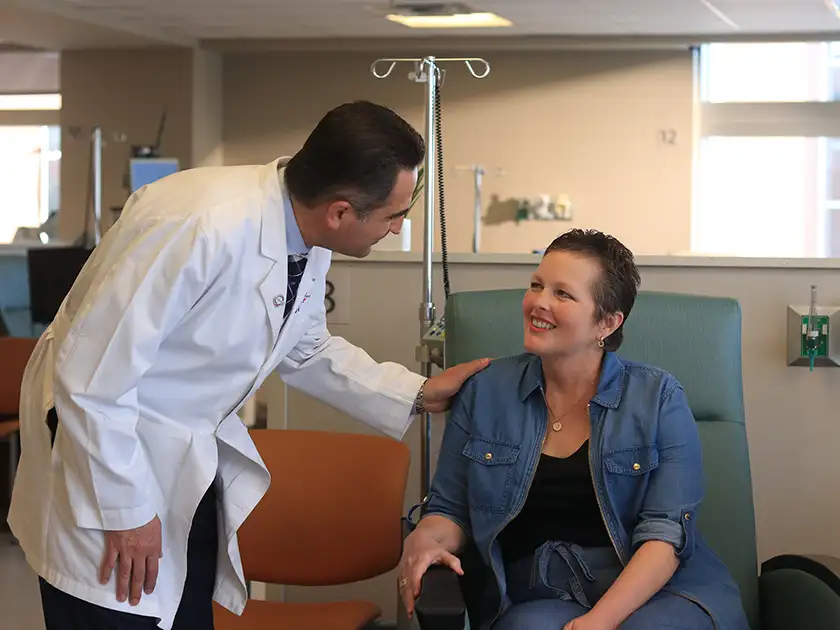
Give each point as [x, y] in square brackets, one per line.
[828, 341]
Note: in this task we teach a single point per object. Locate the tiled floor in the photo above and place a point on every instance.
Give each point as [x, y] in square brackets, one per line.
[20, 603]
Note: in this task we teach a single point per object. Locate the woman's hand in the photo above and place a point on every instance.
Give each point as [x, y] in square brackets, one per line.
[420, 551]
[588, 622]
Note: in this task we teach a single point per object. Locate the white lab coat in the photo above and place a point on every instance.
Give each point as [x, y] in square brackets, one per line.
[174, 322]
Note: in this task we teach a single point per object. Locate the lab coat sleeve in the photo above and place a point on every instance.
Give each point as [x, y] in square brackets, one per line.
[340, 374]
[135, 299]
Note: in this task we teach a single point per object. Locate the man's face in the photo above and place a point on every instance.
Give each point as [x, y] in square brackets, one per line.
[356, 236]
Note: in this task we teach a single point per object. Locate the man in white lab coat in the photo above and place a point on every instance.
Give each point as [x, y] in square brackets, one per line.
[136, 471]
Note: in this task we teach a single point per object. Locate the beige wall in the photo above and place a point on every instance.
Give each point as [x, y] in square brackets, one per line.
[207, 148]
[123, 91]
[791, 412]
[584, 124]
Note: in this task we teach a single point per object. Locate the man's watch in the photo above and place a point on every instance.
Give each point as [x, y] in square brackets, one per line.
[418, 408]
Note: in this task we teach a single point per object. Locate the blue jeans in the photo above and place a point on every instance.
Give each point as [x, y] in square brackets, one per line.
[561, 582]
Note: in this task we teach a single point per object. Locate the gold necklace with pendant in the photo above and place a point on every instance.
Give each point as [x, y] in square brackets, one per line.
[557, 426]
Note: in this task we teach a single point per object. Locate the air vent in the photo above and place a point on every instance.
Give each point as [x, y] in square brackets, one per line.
[429, 9]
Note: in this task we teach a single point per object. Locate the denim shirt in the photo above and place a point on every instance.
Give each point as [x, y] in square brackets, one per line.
[644, 454]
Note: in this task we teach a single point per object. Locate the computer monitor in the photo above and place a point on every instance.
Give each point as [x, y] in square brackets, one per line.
[144, 171]
[52, 271]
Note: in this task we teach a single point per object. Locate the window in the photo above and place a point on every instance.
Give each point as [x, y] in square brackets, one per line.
[29, 177]
[30, 163]
[770, 73]
[768, 177]
[30, 102]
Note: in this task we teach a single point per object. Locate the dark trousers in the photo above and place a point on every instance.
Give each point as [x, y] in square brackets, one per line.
[195, 612]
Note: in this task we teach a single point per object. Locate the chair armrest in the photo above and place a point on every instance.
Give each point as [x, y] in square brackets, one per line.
[441, 604]
[800, 592]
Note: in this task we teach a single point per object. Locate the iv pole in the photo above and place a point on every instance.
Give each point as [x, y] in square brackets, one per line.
[478, 172]
[97, 143]
[427, 70]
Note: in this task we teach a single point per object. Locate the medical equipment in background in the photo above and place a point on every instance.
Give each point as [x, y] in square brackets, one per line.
[145, 173]
[544, 208]
[146, 163]
[813, 334]
[427, 70]
[95, 136]
[478, 172]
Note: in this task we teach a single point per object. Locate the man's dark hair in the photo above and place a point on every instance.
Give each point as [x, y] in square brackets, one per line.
[354, 154]
[616, 291]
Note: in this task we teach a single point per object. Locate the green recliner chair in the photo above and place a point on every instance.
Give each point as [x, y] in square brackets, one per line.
[698, 340]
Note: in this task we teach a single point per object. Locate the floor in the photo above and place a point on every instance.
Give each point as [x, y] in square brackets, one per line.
[20, 602]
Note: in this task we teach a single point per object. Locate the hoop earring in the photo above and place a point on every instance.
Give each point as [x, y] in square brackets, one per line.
[600, 343]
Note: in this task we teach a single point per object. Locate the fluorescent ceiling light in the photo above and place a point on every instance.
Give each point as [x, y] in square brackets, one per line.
[455, 20]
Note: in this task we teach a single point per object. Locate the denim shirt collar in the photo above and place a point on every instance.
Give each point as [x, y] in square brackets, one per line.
[610, 385]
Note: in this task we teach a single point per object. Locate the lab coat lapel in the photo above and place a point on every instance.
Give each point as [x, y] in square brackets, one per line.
[273, 247]
[291, 332]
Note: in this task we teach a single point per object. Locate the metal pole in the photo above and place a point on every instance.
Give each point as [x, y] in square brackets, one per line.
[97, 184]
[427, 308]
[479, 174]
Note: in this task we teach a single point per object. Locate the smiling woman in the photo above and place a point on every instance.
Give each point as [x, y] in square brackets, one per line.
[575, 474]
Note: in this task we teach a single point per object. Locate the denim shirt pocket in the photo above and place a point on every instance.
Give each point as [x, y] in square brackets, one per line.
[634, 461]
[491, 468]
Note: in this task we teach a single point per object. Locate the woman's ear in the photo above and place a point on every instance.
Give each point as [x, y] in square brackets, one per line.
[611, 323]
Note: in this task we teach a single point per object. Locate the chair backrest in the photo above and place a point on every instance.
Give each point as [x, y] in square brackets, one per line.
[332, 513]
[698, 340]
[14, 355]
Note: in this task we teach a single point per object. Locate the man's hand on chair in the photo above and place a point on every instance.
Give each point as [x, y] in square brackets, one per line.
[138, 552]
[440, 389]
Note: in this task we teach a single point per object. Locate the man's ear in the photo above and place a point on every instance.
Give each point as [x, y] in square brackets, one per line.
[336, 212]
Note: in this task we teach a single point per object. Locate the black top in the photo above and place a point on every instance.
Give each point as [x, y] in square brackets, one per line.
[561, 506]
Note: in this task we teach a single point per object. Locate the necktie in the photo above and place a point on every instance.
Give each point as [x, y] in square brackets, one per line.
[297, 265]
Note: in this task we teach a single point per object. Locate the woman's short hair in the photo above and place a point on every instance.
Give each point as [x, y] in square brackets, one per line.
[616, 291]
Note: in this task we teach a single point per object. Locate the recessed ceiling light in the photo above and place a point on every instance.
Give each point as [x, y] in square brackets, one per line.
[456, 20]
[424, 14]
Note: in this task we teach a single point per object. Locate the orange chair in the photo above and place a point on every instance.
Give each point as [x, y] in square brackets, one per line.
[14, 354]
[332, 516]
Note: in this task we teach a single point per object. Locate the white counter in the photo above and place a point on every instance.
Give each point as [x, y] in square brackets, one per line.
[642, 261]
[14, 249]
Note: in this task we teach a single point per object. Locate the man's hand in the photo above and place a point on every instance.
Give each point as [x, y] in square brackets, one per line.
[439, 390]
[138, 551]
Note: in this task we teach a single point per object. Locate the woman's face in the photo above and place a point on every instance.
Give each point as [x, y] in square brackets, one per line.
[559, 307]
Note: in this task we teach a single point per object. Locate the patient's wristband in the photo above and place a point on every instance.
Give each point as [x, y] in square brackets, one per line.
[418, 408]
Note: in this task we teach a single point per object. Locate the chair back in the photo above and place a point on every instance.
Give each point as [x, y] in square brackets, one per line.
[332, 513]
[698, 340]
[14, 355]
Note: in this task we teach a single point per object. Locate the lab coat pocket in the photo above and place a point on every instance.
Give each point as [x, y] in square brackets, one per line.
[166, 447]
